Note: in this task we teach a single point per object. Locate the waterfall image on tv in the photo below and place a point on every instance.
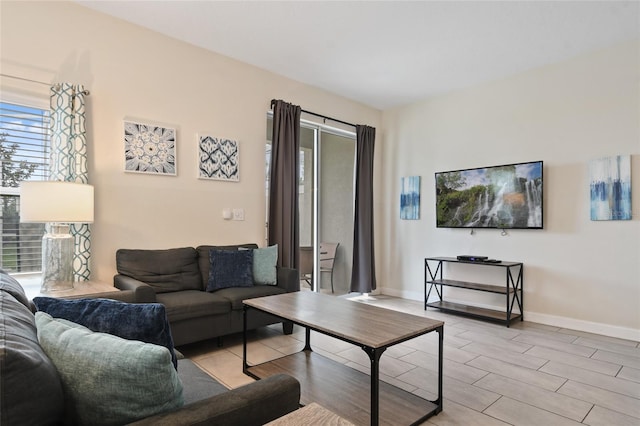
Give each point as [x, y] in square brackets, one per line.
[508, 196]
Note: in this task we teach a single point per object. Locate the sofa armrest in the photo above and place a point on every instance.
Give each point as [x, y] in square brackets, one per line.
[254, 404]
[144, 293]
[288, 279]
[128, 296]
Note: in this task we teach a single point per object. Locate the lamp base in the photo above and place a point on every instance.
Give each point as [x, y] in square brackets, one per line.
[57, 259]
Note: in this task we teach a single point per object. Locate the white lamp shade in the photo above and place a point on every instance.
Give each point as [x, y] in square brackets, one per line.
[53, 201]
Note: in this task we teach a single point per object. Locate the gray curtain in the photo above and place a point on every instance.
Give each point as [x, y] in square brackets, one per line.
[363, 275]
[283, 183]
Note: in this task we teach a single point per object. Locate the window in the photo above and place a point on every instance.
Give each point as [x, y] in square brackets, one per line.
[24, 155]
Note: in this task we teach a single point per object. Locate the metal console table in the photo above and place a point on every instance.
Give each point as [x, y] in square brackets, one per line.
[513, 289]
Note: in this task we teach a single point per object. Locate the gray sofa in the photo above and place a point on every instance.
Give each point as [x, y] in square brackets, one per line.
[31, 391]
[178, 278]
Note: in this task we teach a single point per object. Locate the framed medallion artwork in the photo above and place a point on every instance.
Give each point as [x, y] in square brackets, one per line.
[149, 148]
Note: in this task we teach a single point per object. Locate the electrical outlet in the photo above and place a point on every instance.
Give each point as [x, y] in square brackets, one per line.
[238, 214]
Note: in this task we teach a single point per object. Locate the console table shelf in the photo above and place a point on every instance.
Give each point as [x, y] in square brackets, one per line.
[472, 311]
[512, 290]
[473, 286]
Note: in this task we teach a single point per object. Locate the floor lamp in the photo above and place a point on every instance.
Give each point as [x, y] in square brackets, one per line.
[60, 204]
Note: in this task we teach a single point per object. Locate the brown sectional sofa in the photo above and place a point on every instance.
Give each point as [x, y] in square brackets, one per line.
[178, 278]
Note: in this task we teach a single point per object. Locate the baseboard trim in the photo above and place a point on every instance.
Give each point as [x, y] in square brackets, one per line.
[546, 319]
[586, 326]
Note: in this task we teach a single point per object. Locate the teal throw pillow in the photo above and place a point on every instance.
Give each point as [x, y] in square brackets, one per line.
[264, 265]
[108, 380]
[146, 322]
[230, 268]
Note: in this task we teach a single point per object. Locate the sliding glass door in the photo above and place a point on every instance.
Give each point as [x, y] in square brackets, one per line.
[326, 182]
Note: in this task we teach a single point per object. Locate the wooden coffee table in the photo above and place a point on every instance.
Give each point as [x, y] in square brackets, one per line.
[350, 393]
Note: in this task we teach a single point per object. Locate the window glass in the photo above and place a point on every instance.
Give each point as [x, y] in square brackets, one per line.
[24, 155]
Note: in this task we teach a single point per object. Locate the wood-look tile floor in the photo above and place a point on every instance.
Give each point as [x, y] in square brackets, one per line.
[528, 374]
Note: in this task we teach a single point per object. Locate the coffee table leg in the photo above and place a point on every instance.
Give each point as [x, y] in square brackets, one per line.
[374, 356]
[307, 339]
[440, 331]
[244, 339]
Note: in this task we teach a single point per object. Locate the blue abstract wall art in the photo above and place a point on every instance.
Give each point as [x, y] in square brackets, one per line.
[610, 183]
[218, 158]
[410, 198]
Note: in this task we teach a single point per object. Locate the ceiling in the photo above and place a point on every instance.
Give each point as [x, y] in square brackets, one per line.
[389, 53]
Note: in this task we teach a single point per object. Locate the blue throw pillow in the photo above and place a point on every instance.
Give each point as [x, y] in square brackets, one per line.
[230, 268]
[146, 322]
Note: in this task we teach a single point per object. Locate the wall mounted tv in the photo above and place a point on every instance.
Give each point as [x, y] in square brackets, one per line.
[504, 197]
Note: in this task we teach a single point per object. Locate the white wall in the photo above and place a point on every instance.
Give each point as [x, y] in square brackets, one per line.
[135, 73]
[578, 273]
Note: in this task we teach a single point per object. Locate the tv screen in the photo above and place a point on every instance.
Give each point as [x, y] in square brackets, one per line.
[508, 196]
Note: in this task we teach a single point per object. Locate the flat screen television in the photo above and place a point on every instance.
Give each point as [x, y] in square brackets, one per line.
[504, 197]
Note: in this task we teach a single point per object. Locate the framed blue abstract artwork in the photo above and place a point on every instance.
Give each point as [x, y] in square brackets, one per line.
[610, 184]
[149, 149]
[218, 158]
[410, 198]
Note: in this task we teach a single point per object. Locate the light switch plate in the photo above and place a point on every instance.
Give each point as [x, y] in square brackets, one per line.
[238, 214]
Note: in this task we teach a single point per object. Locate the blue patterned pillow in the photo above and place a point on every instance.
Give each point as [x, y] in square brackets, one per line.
[146, 322]
[230, 268]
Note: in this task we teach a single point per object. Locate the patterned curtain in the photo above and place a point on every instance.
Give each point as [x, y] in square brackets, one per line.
[68, 161]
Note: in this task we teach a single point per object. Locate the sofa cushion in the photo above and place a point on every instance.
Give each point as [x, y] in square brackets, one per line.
[193, 304]
[198, 384]
[265, 260]
[30, 387]
[164, 270]
[230, 268]
[204, 261]
[10, 285]
[146, 322]
[108, 380]
[236, 295]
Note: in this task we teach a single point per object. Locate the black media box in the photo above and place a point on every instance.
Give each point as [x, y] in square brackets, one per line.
[467, 258]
